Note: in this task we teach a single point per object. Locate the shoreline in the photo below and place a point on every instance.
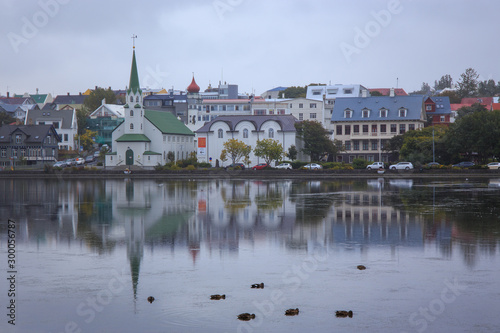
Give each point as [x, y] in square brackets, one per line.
[247, 174]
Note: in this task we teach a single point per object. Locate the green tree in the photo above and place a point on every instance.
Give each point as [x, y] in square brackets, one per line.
[393, 146]
[452, 95]
[94, 100]
[316, 139]
[425, 89]
[444, 82]
[474, 134]
[487, 88]
[294, 92]
[5, 118]
[234, 149]
[292, 152]
[417, 146]
[269, 149]
[465, 110]
[375, 93]
[467, 86]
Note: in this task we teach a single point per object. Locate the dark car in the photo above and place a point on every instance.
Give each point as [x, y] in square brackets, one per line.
[464, 164]
[89, 159]
[259, 166]
[236, 165]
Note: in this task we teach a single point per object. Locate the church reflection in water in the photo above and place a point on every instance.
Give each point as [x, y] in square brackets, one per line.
[217, 215]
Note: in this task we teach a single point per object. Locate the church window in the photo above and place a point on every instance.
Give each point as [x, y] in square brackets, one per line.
[220, 133]
[245, 133]
[131, 113]
[271, 133]
[131, 126]
[131, 99]
[137, 99]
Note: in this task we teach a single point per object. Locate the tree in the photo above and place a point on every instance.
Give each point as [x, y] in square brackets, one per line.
[269, 149]
[292, 152]
[295, 92]
[235, 150]
[425, 89]
[467, 86]
[86, 139]
[452, 95]
[474, 134]
[316, 139]
[375, 93]
[444, 82]
[417, 146]
[393, 145]
[5, 118]
[94, 100]
[487, 88]
[465, 110]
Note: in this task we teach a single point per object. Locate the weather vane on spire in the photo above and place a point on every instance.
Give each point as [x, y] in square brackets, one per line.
[133, 40]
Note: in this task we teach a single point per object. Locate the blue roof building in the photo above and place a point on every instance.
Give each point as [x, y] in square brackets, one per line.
[365, 124]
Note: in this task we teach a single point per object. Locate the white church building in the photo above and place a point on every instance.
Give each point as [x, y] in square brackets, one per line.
[146, 137]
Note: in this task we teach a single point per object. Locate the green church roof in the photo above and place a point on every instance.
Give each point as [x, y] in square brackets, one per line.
[167, 123]
[134, 78]
[133, 138]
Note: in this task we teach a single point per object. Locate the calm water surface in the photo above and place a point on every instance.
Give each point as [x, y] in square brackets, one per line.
[89, 253]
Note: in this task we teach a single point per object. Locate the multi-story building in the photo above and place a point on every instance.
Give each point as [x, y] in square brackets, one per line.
[365, 124]
[30, 144]
[104, 120]
[308, 109]
[438, 110]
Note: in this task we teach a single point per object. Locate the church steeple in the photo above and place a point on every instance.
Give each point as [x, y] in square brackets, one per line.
[134, 86]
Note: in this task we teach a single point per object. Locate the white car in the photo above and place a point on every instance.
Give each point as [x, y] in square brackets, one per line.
[402, 166]
[313, 166]
[494, 165]
[286, 166]
[376, 165]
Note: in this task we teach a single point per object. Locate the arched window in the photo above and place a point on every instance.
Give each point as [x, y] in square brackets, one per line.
[131, 99]
[271, 133]
[220, 133]
[131, 113]
[245, 133]
[131, 126]
[137, 99]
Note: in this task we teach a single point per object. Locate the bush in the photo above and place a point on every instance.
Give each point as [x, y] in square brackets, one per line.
[298, 164]
[190, 167]
[204, 165]
[359, 163]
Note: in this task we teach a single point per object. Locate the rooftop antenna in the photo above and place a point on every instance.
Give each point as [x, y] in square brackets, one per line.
[133, 40]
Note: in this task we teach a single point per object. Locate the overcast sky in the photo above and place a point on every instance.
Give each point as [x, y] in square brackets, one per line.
[62, 46]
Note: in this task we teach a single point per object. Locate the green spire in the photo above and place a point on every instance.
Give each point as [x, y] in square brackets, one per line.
[134, 78]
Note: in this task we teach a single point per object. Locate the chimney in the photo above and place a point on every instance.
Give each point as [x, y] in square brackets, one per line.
[8, 94]
[37, 91]
[68, 94]
[391, 94]
[364, 93]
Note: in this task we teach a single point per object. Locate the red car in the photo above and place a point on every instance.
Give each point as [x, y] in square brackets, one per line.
[259, 166]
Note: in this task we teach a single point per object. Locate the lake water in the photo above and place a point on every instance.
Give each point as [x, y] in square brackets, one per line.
[89, 253]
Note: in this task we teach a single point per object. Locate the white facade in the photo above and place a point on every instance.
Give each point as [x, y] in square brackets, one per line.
[246, 129]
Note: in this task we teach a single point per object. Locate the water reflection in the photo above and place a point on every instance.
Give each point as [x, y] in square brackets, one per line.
[220, 213]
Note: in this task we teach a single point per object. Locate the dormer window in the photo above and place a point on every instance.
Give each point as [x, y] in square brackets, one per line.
[332, 91]
[383, 113]
[403, 113]
[348, 113]
[365, 113]
[347, 91]
[316, 92]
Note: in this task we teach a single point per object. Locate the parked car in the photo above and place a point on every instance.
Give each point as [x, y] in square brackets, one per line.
[259, 166]
[96, 154]
[71, 162]
[375, 165]
[60, 164]
[80, 161]
[464, 164]
[433, 165]
[89, 159]
[286, 166]
[236, 165]
[313, 166]
[401, 166]
[494, 165]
